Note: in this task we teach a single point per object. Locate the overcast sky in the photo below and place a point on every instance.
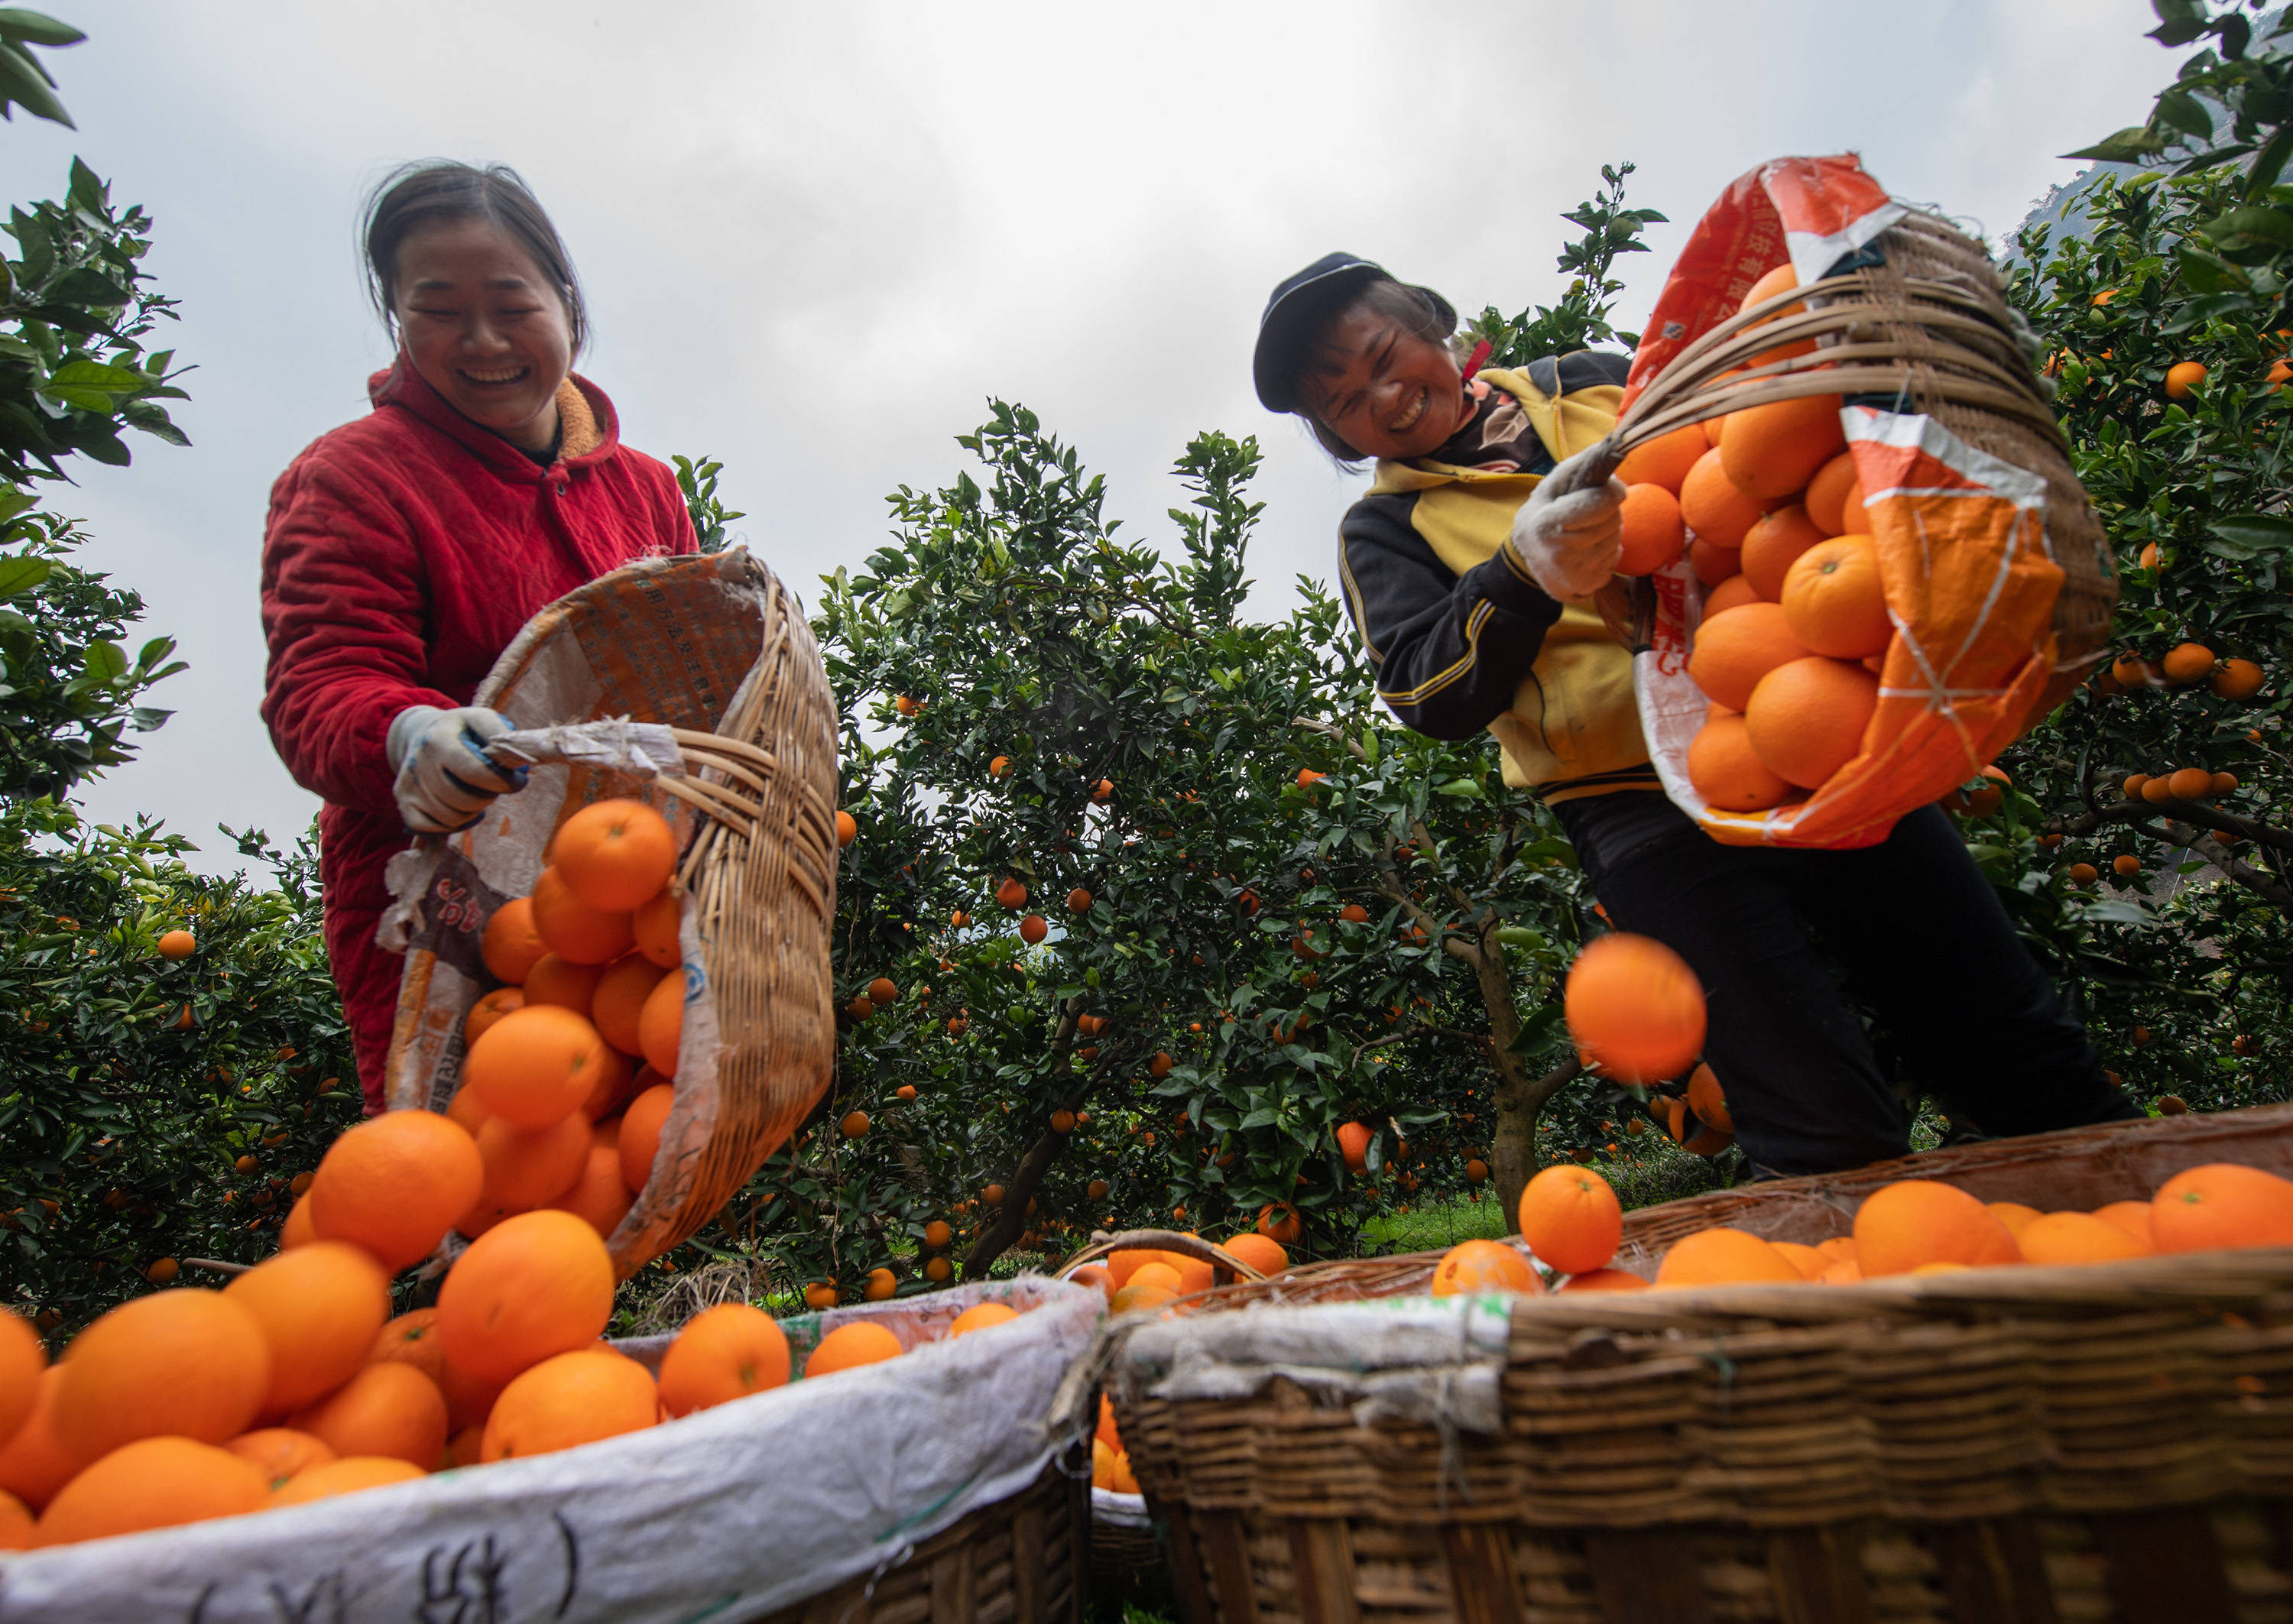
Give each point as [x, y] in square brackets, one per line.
[817, 238]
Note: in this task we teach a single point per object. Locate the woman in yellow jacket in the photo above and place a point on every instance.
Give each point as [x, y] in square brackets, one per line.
[1468, 569]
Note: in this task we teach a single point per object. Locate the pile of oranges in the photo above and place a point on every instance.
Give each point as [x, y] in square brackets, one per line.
[1766, 504]
[1110, 1462]
[294, 1383]
[1572, 1221]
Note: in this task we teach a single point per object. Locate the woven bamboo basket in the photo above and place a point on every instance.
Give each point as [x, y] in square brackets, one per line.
[2106, 1442]
[716, 651]
[1924, 329]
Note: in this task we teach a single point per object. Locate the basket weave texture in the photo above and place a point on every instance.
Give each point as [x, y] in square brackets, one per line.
[2112, 1442]
[717, 649]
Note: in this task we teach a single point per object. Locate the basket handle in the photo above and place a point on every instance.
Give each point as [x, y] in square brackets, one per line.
[1160, 1240]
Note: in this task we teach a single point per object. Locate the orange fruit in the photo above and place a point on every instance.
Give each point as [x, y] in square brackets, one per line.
[532, 1066]
[1727, 772]
[2222, 1204]
[619, 1079]
[1838, 1249]
[321, 1307]
[2238, 679]
[1603, 1280]
[661, 1025]
[848, 828]
[1735, 651]
[1666, 460]
[2132, 1216]
[1806, 1259]
[979, 1316]
[599, 1195]
[537, 1284]
[1653, 533]
[574, 1398]
[619, 1000]
[177, 944]
[881, 1287]
[1781, 279]
[1126, 1261]
[1826, 494]
[1261, 1254]
[394, 1184]
[1139, 1298]
[390, 1409]
[1712, 427]
[1917, 1220]
[510, 945]
[2188, 664]
[1715, 507]
[465, 1448]
[723, 1353]
[469, 1399]
[571, 929]
[1283, 1229]
[2190, 784]
[23, 1357]
[489, 1009]
[1012, 892]
[1634, 1006]
[186, 1361]
[296, 1229]
[1353, 1144]
[862, 1342]
[1770, 452]
[527, 1168]
[2013, 1215]
[153, 1483]
[1834, 601]
[412, 1339]
[615, 855]
[1723, 1256]
[2077, 1237]
[1807, 717]
[1033, 929]
[1194, 1274]
[281, 1452]
[1472, 1267]
[640, 1136]
[33, 1463]
[1773, 545]
[1730, 594]
[1707, 1101]
[345, 1477]
[1158, 1274]
[561, 982]
[1713, 564]
[655, 926]
[468, 1112]
[1571, 1219]
[821, 1295]
[2182, 377]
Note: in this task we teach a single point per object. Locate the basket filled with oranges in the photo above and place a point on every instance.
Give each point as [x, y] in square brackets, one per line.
[2046, 1377]
[1865, 563]
[618, 980]
[282, 1447]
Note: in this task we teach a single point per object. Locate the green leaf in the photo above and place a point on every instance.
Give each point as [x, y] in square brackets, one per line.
[104, 661]
[20, 575]
[37, 28]
[2246, 536]
[2130, 145]
[24, 82]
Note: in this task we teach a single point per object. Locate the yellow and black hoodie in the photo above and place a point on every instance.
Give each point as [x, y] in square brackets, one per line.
[1461, 638]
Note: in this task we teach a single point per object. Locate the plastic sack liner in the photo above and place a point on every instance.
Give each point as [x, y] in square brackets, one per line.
[730, 1514]
[1965, 554]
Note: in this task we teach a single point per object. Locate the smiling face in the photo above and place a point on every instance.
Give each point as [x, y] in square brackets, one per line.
[484, 327]
[1383, 387]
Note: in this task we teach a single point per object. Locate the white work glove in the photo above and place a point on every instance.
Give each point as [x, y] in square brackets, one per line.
[444, 780]
[1569, 534]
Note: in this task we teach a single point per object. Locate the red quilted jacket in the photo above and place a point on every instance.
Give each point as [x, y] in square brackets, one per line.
[403, 554]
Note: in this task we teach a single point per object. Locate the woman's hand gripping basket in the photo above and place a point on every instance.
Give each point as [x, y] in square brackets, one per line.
[2106, 1442]
[1890, 568]
[693, 684]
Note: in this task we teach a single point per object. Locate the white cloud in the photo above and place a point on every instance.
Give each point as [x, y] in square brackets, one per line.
[817, 238]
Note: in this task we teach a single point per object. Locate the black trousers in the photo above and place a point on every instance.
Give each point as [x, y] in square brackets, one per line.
[1966, 1011]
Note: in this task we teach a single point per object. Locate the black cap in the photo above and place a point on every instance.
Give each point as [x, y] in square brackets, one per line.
[1300, 304]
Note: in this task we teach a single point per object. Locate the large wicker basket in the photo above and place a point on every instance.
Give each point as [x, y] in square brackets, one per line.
[715, 652]
[2114, 1441]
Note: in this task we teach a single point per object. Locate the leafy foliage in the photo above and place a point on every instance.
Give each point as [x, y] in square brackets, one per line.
[697, 477]
[1581, 319]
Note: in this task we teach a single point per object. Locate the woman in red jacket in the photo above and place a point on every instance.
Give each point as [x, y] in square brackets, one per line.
[404, 551]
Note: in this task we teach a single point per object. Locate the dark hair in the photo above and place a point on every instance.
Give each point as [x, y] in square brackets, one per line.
[415, 195]
[1421, 312]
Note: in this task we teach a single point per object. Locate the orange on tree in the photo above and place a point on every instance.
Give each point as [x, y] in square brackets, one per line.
[860, 1342]
[177, 944]
[321, 1307]
[1806, 718]
[1833, 601]
[1634, 1006]
[1353, 1144]
[936, 1233]
[1472, 1267]
[2190, 784]
[2182, 377]
[509, 945]
[2126, 865]
[1079, 901]
[531, 1068]
[848, 828]
[882, 992]
[186, 1361]
[534, 1285]
[1012, 892]
[1725, 1255]
[882, 1285]
[391, 1409]
[1735, 651]
[723, 1353]
[153, 1483]
[571, 1399]
[2188, 664]
[854, 1124]
[821, 1295]
[1916, 1220]
[1571, 1219]
[572, 929]
[614, 856]
[1032, 929]
[2221, 1204]
[349, 1475]
[281, 1453]
[2238, 679]
[1278, 1222]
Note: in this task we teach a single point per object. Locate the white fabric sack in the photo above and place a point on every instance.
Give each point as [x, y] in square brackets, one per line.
[730, 1515]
